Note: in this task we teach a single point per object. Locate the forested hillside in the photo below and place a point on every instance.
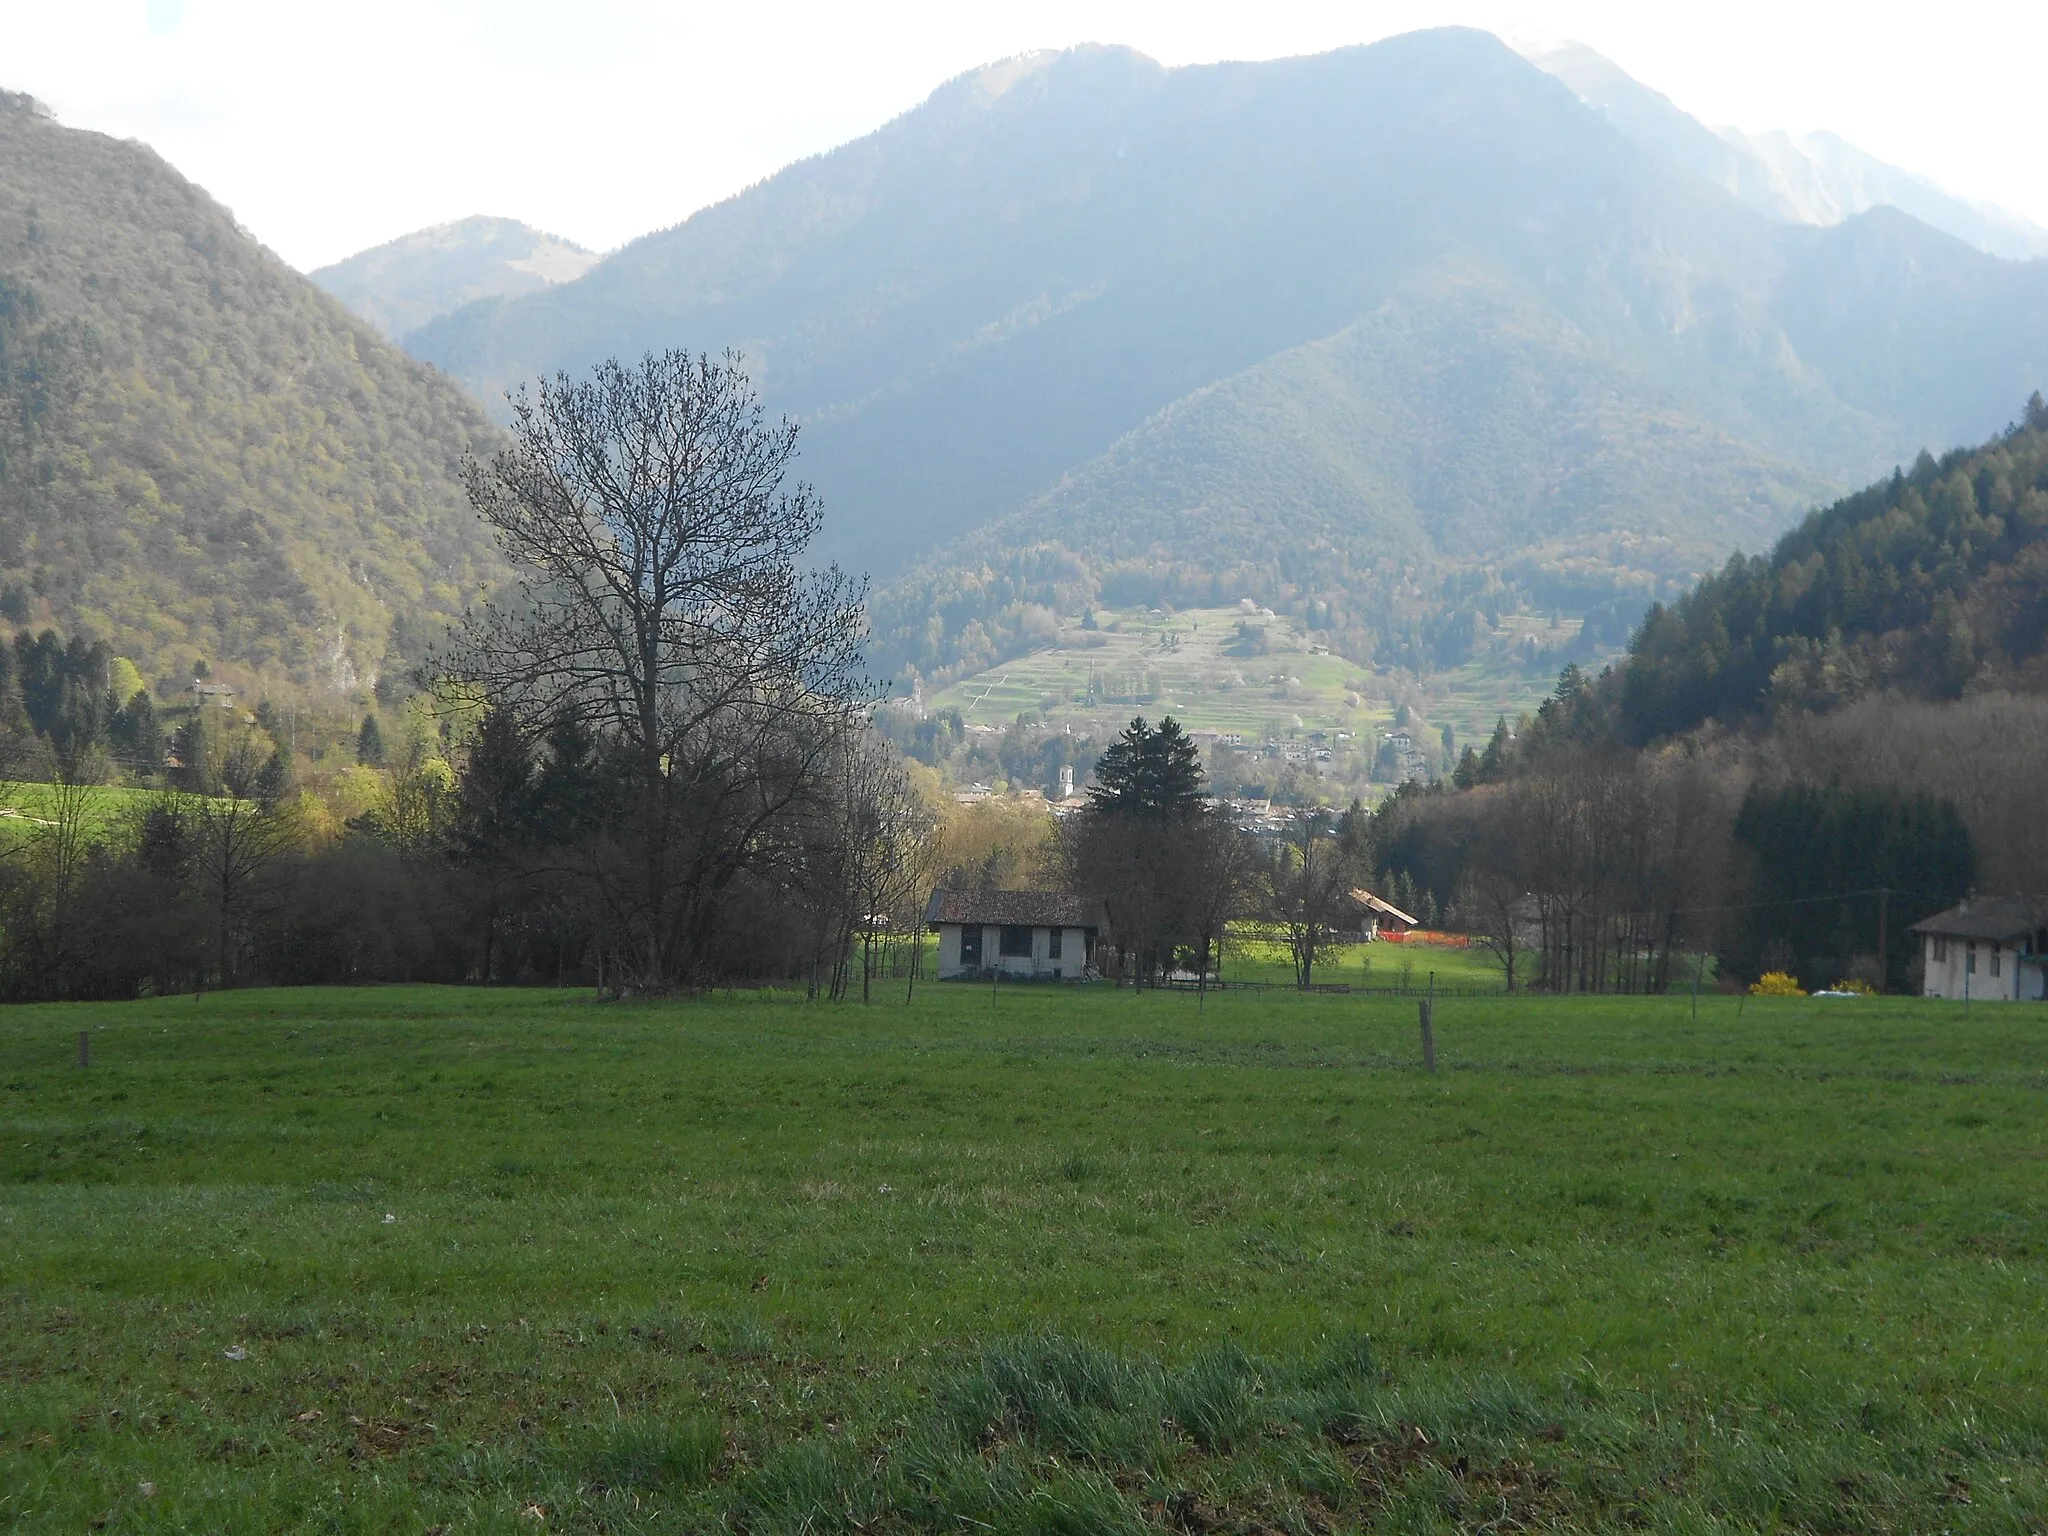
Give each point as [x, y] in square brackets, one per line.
[1379, 338]
[1454, 456]
[1805, 754]
[202, 457]
[1931, 583]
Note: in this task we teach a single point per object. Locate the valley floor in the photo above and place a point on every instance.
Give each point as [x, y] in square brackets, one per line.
[1052, 1259]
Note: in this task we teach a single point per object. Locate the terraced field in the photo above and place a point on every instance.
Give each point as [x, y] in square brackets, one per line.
[1251, 674]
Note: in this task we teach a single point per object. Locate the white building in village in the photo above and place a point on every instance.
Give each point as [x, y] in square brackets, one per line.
[1029, 935]
[1993, 950]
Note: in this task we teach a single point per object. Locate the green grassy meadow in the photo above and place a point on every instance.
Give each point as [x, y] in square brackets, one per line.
[1037, 1259]
[29, 808]
[1379, 966]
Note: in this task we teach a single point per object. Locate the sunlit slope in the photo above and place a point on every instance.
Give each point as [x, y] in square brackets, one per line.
[1450, 424]
[203, 455]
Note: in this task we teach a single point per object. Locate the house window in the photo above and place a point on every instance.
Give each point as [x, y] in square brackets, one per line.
[1994, 958]
[970, 945]
[1052, 945]
[1015, 944]
[1970, 960]
[1940, 950]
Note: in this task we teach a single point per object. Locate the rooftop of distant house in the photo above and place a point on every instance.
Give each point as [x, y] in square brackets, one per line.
[1989, 917]
[1016, 909]
[1373, 903]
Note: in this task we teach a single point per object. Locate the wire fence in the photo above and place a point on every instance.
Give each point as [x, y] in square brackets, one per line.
[1354, 989]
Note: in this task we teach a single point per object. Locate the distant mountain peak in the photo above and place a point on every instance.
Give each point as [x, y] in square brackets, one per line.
[1814, 178]
[1024, 77]
[402, 284]
[995, 80]
[1821, 178]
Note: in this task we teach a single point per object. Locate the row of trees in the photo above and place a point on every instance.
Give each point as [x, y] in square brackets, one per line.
[1590, 866]
[668, 777]
[108, 898]
[1584, 872]
[69, 709]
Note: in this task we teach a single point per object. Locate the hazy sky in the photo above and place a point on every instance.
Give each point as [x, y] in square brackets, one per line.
[330, 126]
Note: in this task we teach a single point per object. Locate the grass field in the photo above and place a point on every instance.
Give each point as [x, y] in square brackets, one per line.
[1053, 1260]
[27, 808]
[1377, 966]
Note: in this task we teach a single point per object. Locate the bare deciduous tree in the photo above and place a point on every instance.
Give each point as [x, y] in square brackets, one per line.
[1308, 886]
[891, 847]
[1494, 898]
[661, 604]
[235, 838]
[1221, 871]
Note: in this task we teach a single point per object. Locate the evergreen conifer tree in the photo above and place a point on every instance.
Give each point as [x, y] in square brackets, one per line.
[1148, 772]
[495, 798]
[138, 735]
[274, 780]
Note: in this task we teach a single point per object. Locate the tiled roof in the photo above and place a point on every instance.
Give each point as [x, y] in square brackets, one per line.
[1989, 917]
[1017, 909]
[1384, 908]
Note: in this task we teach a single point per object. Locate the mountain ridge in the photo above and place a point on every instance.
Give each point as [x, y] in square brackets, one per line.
[1385, 338]
[1815, 178]
[983, 312]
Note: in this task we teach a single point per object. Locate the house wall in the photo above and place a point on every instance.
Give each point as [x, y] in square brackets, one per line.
[1955, 977]
[1038, 965]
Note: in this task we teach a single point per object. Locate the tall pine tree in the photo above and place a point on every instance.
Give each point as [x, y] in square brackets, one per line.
[1148, 772]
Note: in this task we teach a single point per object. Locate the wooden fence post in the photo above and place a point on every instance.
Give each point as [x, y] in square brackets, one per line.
[1428, 1032]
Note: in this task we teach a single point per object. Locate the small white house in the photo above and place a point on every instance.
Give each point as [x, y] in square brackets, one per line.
[1993, 950]
[1031, 935]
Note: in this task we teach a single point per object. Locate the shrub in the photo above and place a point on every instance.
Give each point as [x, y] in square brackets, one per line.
[1776, 984]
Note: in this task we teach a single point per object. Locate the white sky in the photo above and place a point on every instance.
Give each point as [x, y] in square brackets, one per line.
[331, 125]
